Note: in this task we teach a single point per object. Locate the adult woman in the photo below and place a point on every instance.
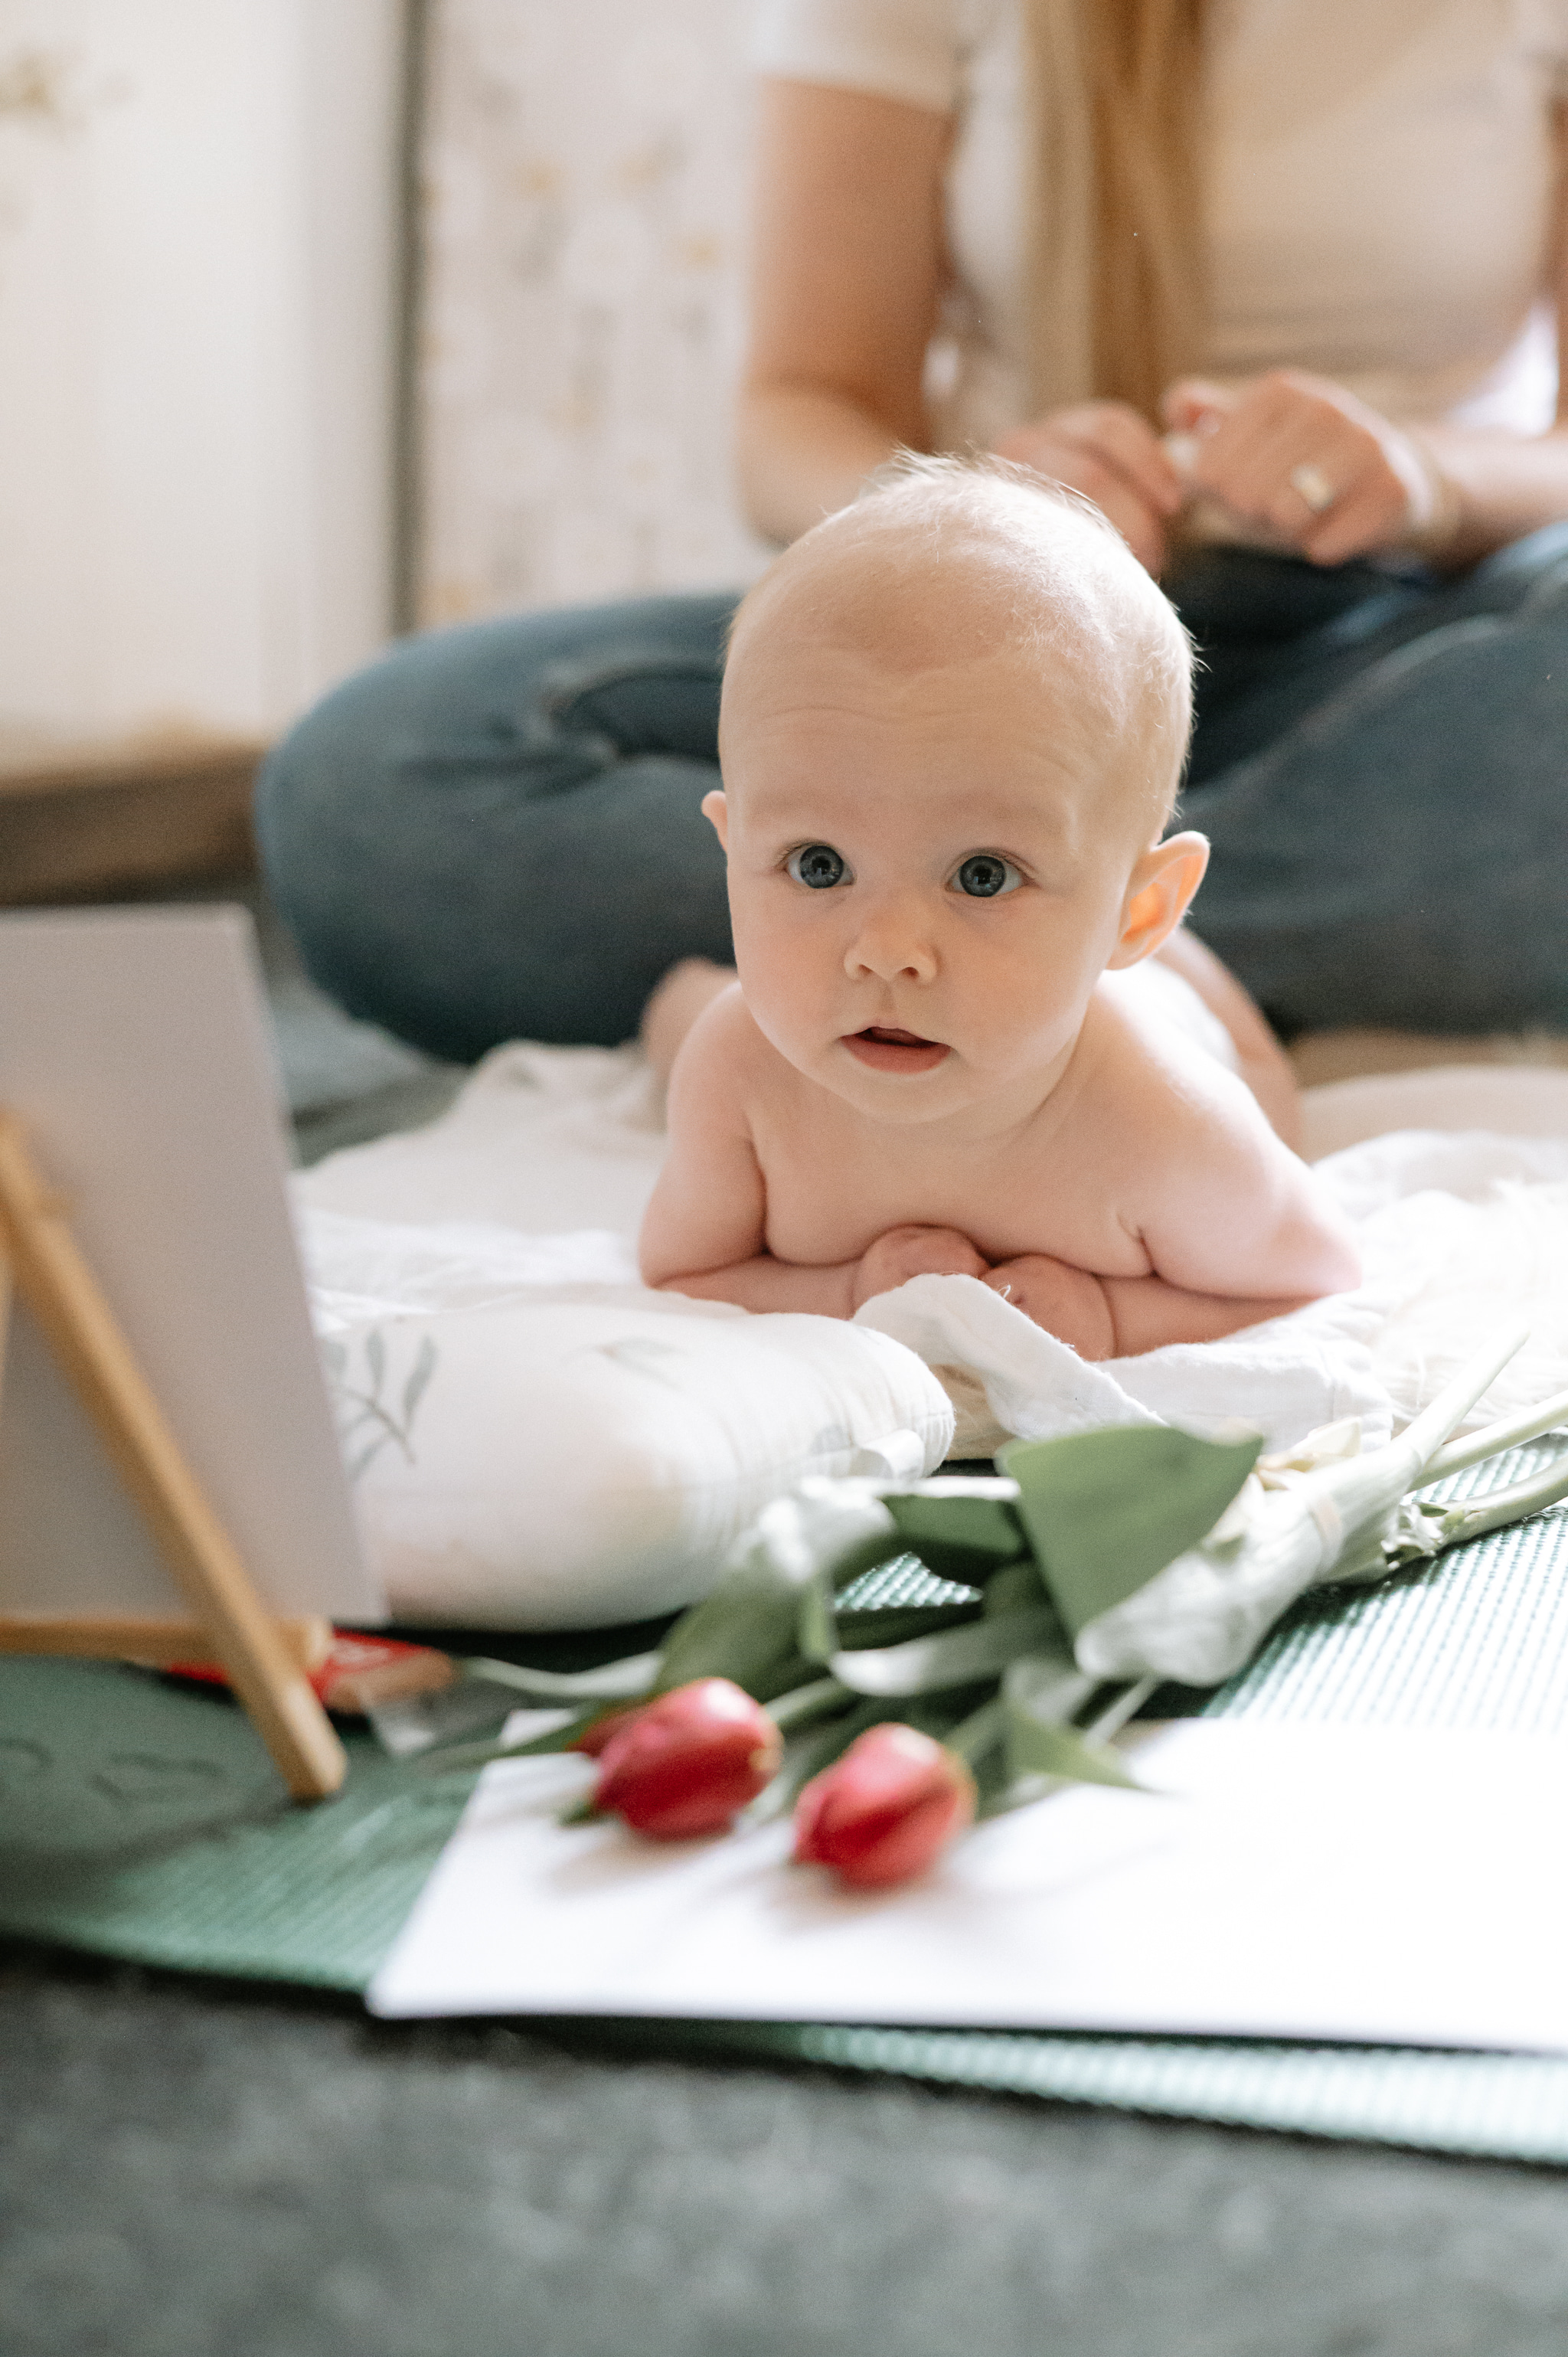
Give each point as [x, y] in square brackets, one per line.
[1068, 205]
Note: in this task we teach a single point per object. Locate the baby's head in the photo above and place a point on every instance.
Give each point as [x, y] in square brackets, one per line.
[953, 724]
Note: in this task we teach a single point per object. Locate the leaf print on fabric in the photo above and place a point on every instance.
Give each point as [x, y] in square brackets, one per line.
[368, 1420]
[646, 1356]
[415, 1389]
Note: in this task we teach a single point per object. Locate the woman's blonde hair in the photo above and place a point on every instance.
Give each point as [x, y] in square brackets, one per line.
[1118, 210]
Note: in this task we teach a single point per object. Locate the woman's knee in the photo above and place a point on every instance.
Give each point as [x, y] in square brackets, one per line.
[446, 831]
[448, 727]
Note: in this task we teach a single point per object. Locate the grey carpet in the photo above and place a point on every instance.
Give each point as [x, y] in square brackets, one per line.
[198, 2172]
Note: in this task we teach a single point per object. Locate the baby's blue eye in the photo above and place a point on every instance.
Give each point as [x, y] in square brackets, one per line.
[984, 874]
[817, 865]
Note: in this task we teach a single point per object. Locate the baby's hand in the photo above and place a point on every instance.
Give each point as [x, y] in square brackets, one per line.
[1067, 1302]
[904, 1253]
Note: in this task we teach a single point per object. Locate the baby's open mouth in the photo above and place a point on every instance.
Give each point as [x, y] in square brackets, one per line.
[887, 1050]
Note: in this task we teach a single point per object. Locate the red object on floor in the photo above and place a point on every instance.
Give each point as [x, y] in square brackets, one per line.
[355, 1672]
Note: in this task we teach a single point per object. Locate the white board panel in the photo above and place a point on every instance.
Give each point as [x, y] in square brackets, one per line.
[134, 1048]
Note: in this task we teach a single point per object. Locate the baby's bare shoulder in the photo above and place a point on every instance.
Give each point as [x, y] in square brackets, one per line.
[724, 1061]
[1156, 1105]
[1192, 1170]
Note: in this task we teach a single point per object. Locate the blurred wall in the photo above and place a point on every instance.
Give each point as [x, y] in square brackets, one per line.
[582, 228]
[198, 269]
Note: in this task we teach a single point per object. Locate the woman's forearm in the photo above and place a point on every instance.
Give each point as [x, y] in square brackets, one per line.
[803, 453]
[1502, 485]
[847, 275]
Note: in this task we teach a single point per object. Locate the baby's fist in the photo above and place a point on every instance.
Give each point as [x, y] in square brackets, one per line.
[1067, 1302]
[904, 1253]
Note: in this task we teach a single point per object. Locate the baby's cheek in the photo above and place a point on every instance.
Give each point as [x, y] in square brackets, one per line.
[787, 977]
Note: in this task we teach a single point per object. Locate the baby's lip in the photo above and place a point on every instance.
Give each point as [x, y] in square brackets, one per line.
[888, 1049]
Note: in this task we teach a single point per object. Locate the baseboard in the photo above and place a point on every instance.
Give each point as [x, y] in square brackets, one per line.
[79, 822]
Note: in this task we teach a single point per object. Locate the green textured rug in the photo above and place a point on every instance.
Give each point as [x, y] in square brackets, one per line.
[143, 1822]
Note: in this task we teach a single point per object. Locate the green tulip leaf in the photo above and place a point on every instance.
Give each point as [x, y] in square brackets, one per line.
[961, 1536]
[1036, 1749]
[1039, 1695]
[1017, 1587]
[1105, 1511]
[816, 1629]
[893, 1624]
[797, 1551]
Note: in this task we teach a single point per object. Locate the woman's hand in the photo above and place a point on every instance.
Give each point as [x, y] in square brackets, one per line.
[1111, 454]
[1308, 460]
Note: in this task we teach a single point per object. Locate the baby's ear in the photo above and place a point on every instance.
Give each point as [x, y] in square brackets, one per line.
[1159, 893]
[715, 809]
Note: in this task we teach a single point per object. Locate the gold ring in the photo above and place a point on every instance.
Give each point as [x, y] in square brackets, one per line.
[1314, 486]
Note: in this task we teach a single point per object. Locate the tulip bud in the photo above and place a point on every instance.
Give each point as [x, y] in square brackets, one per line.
[687, 1762]
[885, 1809]
[599, 1733]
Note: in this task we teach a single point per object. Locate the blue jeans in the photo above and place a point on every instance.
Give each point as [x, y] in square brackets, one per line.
[494, 832]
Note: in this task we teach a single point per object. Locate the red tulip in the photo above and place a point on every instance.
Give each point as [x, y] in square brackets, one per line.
[885, 1810]
[687, 1762]
[600, 1732]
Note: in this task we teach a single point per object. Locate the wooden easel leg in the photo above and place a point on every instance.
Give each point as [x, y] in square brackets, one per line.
[5, 1308]
[62, 1295]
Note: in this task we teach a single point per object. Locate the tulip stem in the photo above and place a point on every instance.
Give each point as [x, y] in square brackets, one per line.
[1120, 1709]
[979, 1733]
[448, 1760]
[803, 1704]
[1425, 1434]
[624, 1681]
[1514, 1504]
[1529, 1424]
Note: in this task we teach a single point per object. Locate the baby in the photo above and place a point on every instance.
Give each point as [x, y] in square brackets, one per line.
[953, 724]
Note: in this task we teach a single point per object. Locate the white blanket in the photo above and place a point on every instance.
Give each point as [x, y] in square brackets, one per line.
[539, 1441]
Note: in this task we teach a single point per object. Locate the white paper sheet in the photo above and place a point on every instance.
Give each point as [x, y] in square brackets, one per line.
[1303, 1882]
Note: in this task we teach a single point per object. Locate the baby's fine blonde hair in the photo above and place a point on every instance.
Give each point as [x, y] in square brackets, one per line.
[1026, 565]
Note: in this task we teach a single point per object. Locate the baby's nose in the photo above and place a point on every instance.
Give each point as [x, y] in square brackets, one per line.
[891, 945]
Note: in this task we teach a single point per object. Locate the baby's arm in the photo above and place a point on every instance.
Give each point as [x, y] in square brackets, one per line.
[704, 1231]
[1236, 1229]
[1122, 1317]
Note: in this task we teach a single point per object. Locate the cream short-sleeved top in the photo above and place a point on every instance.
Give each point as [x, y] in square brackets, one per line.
[1378, 193]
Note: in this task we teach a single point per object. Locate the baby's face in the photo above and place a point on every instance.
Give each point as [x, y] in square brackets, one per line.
[929, 871]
